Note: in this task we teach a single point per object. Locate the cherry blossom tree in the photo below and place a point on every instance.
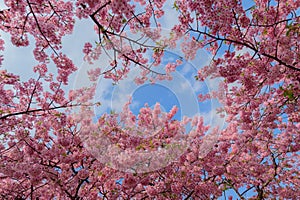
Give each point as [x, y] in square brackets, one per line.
[47, 152]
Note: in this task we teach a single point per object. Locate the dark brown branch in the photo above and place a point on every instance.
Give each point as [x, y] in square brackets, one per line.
[248, 46]
[39, 27]
[27, 112]
[105, 33]
[32, 93]
[188, 196]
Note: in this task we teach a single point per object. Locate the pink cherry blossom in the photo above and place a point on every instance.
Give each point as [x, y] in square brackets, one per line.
[50, 146]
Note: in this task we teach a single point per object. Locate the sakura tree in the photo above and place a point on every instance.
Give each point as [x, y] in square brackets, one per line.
[50, 140]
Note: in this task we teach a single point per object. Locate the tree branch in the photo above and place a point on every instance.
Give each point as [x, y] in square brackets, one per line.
[248, 46]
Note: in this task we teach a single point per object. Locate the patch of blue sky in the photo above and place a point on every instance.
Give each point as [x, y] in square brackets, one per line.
[231, 192]
[151, 94]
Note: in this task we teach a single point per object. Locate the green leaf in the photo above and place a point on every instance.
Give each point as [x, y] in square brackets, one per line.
[289, 94]
[175, 6]
[265, 32]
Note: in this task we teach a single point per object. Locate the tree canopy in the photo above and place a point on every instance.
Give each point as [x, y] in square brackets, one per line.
[53, 148]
